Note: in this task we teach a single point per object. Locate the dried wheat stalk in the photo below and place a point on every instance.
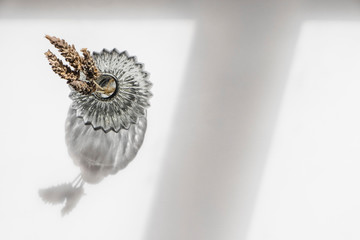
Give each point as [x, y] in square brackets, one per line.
[88, 65]
[85, 64]
[83, 87]
[67, 51]
[59, 68]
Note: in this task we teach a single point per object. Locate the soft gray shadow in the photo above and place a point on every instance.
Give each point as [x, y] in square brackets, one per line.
[68, 194]
[225, 118]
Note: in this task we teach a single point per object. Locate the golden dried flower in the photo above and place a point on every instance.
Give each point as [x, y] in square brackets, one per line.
[88, 66]
[82, 86]
[59, 68]
[67, 51]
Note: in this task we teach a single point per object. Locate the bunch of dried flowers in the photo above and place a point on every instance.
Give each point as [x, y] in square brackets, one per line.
[78, 63]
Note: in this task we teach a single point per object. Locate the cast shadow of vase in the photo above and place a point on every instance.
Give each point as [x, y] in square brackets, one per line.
[97, 153]
[69, 194]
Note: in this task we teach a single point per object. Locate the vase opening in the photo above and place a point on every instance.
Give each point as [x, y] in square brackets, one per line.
[109, 86]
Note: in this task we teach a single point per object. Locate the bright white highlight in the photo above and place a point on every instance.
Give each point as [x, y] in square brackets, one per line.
[311, 184]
